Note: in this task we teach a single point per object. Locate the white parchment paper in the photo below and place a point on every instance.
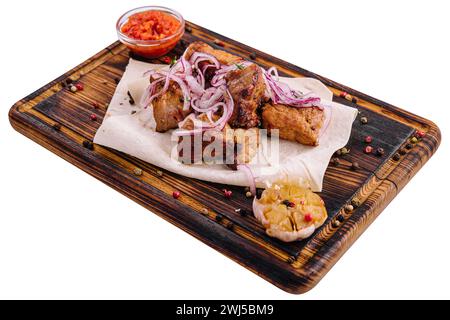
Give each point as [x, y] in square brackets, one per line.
[134, 135]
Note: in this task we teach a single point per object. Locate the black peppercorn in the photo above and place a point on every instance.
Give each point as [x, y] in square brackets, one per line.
[253, 55]
[380, 152]
[402, 151]
[354, 100]
[219, 217]
[89, 145]
[355, 166]
[230, 225]
[396, 157]
[340, 218]
[188, 29]
[409, 146]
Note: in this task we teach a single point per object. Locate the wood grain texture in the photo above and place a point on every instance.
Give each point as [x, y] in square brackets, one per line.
[202, 210]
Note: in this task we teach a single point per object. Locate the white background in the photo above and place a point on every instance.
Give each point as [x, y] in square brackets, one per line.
[64, 234]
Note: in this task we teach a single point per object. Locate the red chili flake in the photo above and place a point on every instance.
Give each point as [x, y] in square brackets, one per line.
[420, 134]
[227, 193]
[343, 94]
[302, 202]
[79, 86]
[95, 104]
[291, 205]
[308, 217]
[166, 59]
[176, 194]
[368, 139]
[93, 117]
[368, 149]
[219, 43]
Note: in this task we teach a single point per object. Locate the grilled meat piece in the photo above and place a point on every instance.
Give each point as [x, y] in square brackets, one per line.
[229, 146]
[247, 89]
[223, 56]
[301, 125]
[168, 108]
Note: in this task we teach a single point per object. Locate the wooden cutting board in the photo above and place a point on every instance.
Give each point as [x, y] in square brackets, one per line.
[59, 120]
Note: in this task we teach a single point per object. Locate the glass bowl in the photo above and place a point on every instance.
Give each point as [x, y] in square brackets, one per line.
[150, 48]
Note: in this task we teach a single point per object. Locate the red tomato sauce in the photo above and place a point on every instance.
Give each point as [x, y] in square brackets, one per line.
[150, 25]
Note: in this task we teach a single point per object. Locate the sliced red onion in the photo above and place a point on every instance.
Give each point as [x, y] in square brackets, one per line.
[251, 179]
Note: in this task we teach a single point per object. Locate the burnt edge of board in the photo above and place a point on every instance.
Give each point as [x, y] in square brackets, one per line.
[292, 276]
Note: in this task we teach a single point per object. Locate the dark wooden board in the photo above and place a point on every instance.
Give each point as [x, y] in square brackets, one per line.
[295, 267]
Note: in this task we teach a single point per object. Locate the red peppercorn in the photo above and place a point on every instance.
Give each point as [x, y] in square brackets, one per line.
[343, 94]
[308, 217]
[79, 86]
[166, 59]
[227, 193]
[95, 104]
[420, 134]
[93, 117]
[176, 194]
[368, 139]
[368, 149]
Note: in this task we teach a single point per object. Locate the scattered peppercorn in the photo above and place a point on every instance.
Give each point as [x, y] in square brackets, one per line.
[227, 193]
[219, 217]
[286, 202]
[93, 117]
[348, 97]
[356, 202]
[79, 86]
[336, 223]
[380, 152]
[176, 194]
[340, 218]
[396, 157]
[354, 100]
[368, 139]
[204, 211]
[63, 84]
[95, 105]
[89, 145]
[73, 88]
[409, 146]
[414, 140]
[368, 149]
[348, 208]
[230, 225]
[308, 217]
[131, 98]
[69, 80]
[355, 166]
[188, 29]
[345, 151]
[243, 212]
[364, 120]
[402, 151]
[335, 162]
[343, 94]
[159, 173]
[420, 134]
[166, 59]
[248, 194]
[253, 55]
[137, 171]
[57, 126]
[219, 43]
